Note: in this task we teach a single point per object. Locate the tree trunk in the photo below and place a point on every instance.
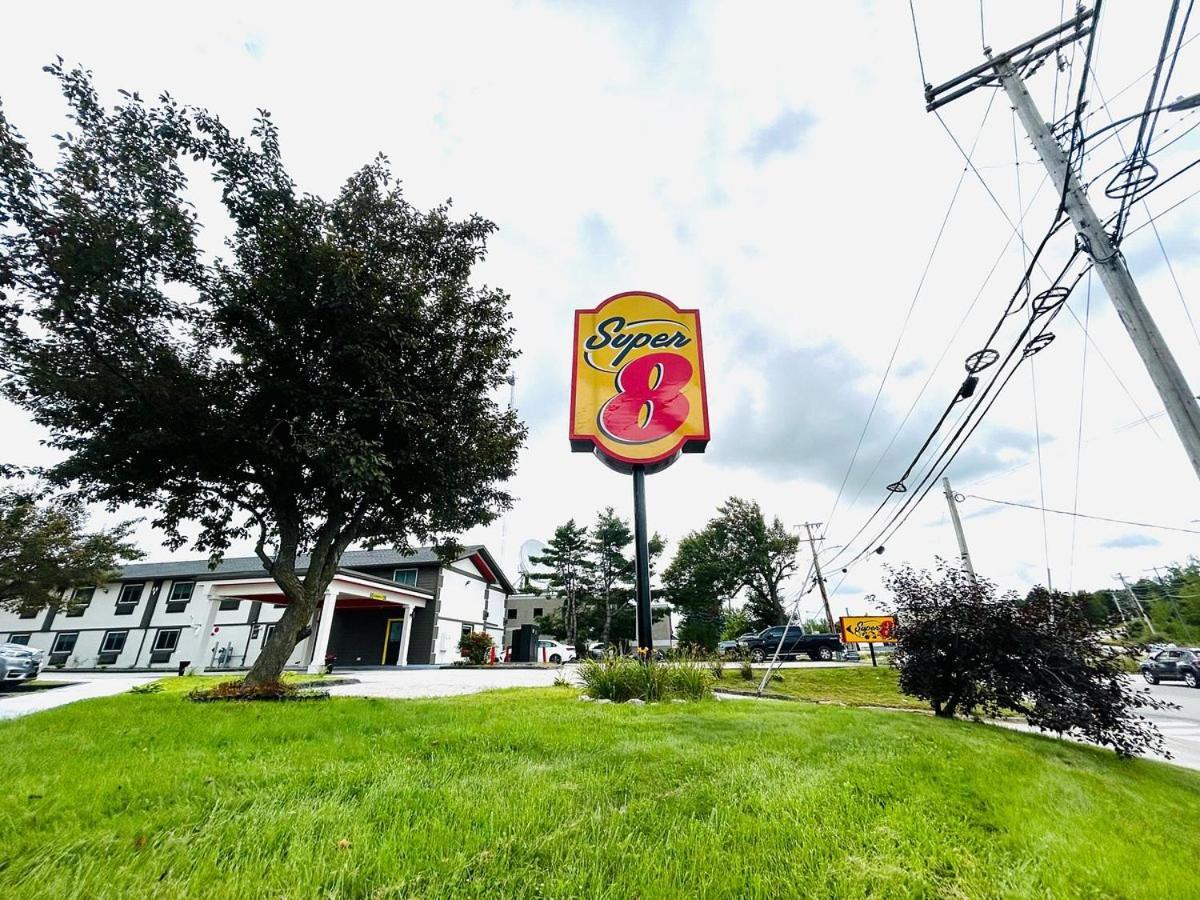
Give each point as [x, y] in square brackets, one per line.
[303, 594]
[268, 668]
[607, 618]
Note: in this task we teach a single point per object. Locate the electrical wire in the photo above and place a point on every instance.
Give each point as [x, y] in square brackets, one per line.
[917, 39]
[907, 318]
[1087, 315]
[1079, 515]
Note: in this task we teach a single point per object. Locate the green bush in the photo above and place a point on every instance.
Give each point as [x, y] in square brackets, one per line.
[476, 646]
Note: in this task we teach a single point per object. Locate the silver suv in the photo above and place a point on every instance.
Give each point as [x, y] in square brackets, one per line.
[18, 663]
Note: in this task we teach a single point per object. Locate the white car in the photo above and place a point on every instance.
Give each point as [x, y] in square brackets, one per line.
[552, 651]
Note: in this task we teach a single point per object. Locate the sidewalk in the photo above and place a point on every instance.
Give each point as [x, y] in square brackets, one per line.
[78, 687]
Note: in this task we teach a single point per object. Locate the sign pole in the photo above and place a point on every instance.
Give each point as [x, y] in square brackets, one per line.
[641, 544]
[871, 646]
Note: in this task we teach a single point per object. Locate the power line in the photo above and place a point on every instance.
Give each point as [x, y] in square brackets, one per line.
[917, 39]
[1079, 515]
[907, 318]
[1087, 315]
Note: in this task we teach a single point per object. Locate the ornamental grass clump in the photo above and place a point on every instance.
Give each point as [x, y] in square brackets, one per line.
[624, 678]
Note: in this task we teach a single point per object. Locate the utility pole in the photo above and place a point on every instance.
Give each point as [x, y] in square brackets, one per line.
[809, 526]
[1164, 371]
[952, 502]
[1137, 604]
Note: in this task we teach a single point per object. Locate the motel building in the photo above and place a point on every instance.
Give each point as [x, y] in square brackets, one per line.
[382, 608]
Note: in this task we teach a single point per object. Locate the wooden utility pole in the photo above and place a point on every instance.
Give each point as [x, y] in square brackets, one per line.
[1137, 604]
[1177, 397]
[812, 543]
[952, 502]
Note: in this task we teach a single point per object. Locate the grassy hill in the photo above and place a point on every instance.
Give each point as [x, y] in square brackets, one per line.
[530, 792]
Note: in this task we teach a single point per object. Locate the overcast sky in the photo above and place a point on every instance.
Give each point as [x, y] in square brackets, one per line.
[771, 164]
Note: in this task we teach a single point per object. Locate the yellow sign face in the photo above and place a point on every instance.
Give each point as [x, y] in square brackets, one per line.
[637, 385]
[375, 596]
[868, 629]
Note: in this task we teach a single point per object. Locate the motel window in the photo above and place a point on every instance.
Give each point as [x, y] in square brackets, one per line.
[29, 612]
[512, 613]
[80, 600]
[405, 576]
[181, 593]
[537, 611]
[466, 629]
[114, 641]
[167, 639]
[111, 647]
[229, 603]
[127, 600]
[266, 634]
[21, 638]
[64, 642]
[165, 643]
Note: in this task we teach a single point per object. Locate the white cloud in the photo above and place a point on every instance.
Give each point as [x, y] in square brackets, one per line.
[609, 142]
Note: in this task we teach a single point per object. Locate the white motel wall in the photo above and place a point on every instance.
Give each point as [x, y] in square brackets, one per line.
[388, 608]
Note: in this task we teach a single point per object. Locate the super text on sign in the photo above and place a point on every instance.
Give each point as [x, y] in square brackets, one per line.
[868, 629]
[637, 387]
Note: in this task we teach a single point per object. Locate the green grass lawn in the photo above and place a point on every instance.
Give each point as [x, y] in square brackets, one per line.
[851, 686]
[529, 792]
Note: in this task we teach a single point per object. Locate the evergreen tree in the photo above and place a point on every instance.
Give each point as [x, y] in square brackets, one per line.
[568, 569]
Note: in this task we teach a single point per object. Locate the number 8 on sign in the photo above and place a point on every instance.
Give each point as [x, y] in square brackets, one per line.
[648, 404]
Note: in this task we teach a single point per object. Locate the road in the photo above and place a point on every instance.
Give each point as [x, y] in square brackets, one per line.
[1180, 727]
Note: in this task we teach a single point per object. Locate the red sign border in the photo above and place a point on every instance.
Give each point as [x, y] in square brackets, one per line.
[588, 442]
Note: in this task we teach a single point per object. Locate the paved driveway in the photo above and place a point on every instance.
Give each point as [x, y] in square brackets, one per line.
[440, 682]
[82, 687]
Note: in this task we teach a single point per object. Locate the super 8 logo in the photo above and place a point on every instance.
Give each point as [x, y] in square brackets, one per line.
[638, 390]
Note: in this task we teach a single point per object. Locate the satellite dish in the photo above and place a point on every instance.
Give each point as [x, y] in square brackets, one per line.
[529, 550]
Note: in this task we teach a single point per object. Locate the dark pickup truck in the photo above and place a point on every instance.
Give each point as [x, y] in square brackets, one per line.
[795, 643]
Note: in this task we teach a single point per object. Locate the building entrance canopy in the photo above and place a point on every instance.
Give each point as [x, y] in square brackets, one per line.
[347, 590]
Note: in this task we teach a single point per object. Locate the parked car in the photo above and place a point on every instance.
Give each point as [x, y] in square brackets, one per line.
[796, 643]
[597, 649]
[1177, 664]
[553, 651]
[19, 663]
[739, 643]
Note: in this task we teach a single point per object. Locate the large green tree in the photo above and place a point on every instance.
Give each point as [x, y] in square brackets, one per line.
[611, 568]
[46, 550]
[737, 552]
[567, 569]
[761, 554]
[698, 582]
[330, 379]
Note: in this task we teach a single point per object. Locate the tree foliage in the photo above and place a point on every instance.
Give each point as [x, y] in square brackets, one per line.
[46, 550]
[698, 583]
[737, 552]
[592, 572]
[761, 555]
[568, 568]
[328, 381]
[968, 649]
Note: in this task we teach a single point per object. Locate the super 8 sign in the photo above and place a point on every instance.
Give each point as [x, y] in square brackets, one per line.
[637, 383]
[868, 629]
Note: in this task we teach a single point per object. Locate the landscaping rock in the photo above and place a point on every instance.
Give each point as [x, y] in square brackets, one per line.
[636, 702]
[584, 698]
[603, 700]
